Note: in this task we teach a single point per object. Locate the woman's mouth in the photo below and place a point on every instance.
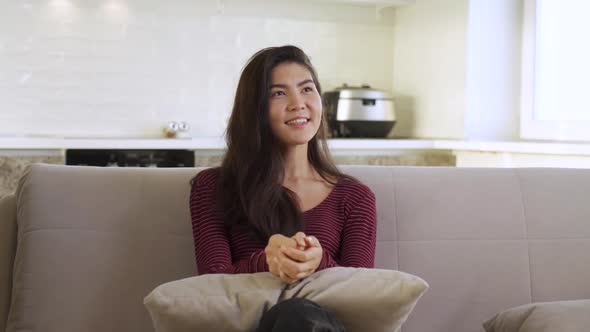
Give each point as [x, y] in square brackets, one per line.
[297, 123]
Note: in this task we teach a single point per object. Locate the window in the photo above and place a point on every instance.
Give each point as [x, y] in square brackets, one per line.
[555, 101]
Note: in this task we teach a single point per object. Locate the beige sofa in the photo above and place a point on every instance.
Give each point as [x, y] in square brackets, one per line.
[82, 246]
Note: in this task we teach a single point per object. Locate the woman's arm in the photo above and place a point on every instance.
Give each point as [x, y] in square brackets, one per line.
[212, 249]
[359, 234]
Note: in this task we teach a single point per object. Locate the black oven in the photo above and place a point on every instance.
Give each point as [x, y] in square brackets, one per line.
[131, 158]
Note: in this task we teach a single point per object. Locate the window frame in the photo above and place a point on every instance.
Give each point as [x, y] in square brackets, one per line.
[531, 128]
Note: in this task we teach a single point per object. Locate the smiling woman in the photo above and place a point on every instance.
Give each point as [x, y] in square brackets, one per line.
[295, 106]
[278, 203]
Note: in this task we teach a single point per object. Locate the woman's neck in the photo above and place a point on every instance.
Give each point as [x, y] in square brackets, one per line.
[297, 166]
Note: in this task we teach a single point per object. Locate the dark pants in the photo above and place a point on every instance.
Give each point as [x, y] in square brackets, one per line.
[299, 315]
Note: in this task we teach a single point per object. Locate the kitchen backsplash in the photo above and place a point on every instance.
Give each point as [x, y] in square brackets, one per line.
[12, 167]
[124, 68]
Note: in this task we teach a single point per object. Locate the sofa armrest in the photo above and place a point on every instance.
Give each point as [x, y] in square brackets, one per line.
[7, 252]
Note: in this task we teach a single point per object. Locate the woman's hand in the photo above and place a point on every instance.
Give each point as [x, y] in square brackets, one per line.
[274, 254]
[300, 240]
[300, 262]
[295, 258]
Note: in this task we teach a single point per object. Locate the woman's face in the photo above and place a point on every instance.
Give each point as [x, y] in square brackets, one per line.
[295, 106]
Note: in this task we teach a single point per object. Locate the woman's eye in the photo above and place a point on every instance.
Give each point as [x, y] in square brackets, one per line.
[307, 89]
[277, 93]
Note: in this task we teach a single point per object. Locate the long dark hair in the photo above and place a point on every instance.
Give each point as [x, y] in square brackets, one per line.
[252, 171]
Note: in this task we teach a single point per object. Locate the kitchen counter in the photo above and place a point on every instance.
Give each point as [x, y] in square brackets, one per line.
[26, 143]
[368, 145]
[205, 143]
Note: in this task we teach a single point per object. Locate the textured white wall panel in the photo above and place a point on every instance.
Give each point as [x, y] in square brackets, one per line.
[124, 68]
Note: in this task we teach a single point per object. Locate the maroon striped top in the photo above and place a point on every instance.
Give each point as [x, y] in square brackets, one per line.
[344, 223]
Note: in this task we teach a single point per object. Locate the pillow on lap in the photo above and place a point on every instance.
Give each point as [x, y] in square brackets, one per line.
[213, 302]
[559, 316]
[363, 299]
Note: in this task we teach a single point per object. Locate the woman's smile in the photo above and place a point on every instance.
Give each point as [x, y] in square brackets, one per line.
[298, 122]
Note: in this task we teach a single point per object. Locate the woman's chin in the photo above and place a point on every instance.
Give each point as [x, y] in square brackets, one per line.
[295, 141]
[296, 138]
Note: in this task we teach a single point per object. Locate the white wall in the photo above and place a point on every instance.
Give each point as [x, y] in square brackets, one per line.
[90, 68]
[457, 68]
[494, 37]
[430, 39]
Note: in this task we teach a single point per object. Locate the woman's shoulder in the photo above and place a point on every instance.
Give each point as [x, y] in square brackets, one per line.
[355, 190]
[207, 177]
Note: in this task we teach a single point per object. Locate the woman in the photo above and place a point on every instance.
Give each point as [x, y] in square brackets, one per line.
[278, 203]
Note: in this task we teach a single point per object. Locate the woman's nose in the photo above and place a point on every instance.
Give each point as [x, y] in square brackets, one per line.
[297, 108]
[296, 103]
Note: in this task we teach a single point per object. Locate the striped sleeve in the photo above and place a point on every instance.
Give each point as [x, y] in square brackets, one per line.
[327, 261]
[212, 247]
[359, 236]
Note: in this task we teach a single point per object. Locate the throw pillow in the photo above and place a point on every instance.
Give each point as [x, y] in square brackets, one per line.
[559, 316]
[363, 299]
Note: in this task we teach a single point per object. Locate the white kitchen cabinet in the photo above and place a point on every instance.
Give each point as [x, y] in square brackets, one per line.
[378, 3]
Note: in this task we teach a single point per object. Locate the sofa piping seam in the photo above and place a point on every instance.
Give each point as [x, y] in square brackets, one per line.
[526, 230]
[396, 220]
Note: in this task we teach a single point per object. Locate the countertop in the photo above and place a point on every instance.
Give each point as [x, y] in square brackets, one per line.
[369, 145]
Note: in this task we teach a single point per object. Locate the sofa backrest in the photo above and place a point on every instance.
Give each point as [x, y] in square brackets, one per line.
[7, 251]
[484, 239]
[92, 242]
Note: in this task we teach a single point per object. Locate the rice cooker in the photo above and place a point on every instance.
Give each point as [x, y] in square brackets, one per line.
[359, 112]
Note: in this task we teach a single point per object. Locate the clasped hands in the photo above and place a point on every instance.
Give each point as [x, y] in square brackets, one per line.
[293, 258]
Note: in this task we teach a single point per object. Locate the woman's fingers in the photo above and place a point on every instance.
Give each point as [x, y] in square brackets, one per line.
[293, 268]
[300, 239]
[296, 254]
[288, 266]
[312, 241]
[276, 270]
[287, 276]
[304, 270]
[278, 240]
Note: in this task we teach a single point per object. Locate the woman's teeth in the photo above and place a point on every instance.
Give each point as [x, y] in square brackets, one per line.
[297, 122]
